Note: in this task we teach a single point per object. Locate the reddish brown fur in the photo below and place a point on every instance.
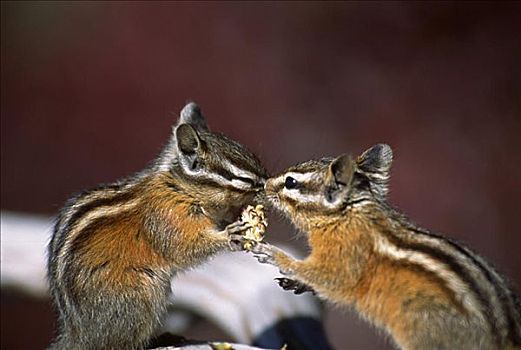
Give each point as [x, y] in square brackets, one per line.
[115, 248]
[426, 290]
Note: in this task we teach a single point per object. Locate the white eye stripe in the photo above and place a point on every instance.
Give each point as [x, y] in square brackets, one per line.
[317, 199]
[240, 184]
[219, 179]
[222, 180]
[295, 193]
[298, 196]
[238, 172]
[301, 177]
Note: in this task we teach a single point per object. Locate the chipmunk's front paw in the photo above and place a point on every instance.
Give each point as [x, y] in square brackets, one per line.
[236, 242]
[248, 230]
[235, 233]
[264, 253]
[236, 228]
[293, 285]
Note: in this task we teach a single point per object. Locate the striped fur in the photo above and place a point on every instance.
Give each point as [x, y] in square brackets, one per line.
[425, 290]
[115, 248]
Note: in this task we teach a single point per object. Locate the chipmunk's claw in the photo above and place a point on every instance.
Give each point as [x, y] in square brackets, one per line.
[295, 286]
[264, 259]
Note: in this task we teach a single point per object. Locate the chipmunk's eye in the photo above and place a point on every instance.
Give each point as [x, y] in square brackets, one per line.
[290, 183]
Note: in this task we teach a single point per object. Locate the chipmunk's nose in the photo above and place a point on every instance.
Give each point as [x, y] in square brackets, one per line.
[269, 186]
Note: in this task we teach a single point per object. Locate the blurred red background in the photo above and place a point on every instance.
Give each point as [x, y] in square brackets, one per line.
[89, 92]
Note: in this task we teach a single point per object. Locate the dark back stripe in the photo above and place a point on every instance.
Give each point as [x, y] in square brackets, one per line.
[458, 269]
[79, 212]
[85, 209]
[503, 295]
[433, 277]
[74, 265]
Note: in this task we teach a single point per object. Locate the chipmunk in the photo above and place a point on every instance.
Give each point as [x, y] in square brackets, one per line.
[115, 248]
[425, 290]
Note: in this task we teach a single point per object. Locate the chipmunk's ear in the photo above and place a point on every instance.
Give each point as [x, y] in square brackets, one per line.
[338, 178]
[185, 144]
[191, 114]
[375, 163]
[188, 140]
[189, 147]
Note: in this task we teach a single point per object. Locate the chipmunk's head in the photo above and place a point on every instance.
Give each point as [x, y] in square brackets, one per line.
[315, 191]
[220, 174]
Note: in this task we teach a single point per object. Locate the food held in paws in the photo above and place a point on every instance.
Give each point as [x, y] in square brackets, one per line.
[255, 217]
